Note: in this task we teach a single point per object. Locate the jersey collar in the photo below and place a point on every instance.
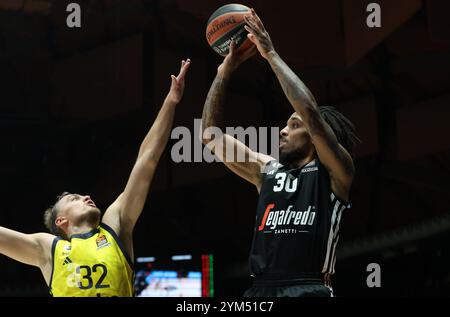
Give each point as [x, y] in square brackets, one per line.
[86, 235]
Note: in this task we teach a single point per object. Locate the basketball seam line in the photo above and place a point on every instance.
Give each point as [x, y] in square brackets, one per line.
[218, 14]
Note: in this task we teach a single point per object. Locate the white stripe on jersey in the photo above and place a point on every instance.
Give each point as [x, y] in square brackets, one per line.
[334, 259]
[330, 234]
[336, 231]
[335, 239]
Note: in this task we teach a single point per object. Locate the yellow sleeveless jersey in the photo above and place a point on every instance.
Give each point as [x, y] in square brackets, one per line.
[91, 264]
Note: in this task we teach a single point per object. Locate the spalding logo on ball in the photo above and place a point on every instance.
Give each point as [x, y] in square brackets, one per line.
[226, 23]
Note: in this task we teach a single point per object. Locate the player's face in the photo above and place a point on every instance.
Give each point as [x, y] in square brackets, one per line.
[295, 140]
[76, 208]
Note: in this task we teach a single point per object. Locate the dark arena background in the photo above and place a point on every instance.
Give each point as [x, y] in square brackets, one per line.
[76, 103]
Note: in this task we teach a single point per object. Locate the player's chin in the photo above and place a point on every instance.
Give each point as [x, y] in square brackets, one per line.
[94, 211]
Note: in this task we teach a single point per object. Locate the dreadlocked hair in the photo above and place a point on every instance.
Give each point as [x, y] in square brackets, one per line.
[342, 127]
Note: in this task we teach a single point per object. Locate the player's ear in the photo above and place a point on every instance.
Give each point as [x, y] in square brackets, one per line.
[61, 221]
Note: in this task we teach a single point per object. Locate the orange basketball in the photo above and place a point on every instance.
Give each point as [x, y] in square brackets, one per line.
[226, 23]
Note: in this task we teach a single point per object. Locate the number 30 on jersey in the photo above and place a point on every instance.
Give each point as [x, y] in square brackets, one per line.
[286, 182]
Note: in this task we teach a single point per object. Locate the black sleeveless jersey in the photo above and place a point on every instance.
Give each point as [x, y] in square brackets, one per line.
[297, 223]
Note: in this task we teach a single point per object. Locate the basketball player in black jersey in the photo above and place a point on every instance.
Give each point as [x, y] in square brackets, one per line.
[304, 194]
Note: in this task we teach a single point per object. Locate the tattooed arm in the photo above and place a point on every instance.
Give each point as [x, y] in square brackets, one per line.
[334, 157]
[212, 125]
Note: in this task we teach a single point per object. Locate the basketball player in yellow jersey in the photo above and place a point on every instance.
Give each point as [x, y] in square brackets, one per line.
[90, 255]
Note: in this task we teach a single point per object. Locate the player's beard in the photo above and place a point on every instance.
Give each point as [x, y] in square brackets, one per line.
[291, 157]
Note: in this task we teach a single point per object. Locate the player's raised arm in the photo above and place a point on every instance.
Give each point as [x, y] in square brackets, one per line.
[332, 154]
[250, 168]
[124, 212]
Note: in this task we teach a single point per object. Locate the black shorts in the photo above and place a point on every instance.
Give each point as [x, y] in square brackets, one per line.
[310, 288]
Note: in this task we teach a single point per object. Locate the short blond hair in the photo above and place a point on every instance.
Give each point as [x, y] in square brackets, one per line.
[50, 216]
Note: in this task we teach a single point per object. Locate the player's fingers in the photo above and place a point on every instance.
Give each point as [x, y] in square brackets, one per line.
[258, 20]
[174, 81]
[184, 68]
[252, 38]
[251, 22]
[250, 27]
[232, 46]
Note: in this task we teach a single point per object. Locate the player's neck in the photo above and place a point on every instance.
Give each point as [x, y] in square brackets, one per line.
[80, 229]
[302, 162]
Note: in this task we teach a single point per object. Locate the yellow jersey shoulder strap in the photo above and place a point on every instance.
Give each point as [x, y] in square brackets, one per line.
[118, 241]
[54, 243]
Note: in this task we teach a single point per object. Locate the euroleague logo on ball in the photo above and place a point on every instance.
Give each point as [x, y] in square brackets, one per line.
[225, 24]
